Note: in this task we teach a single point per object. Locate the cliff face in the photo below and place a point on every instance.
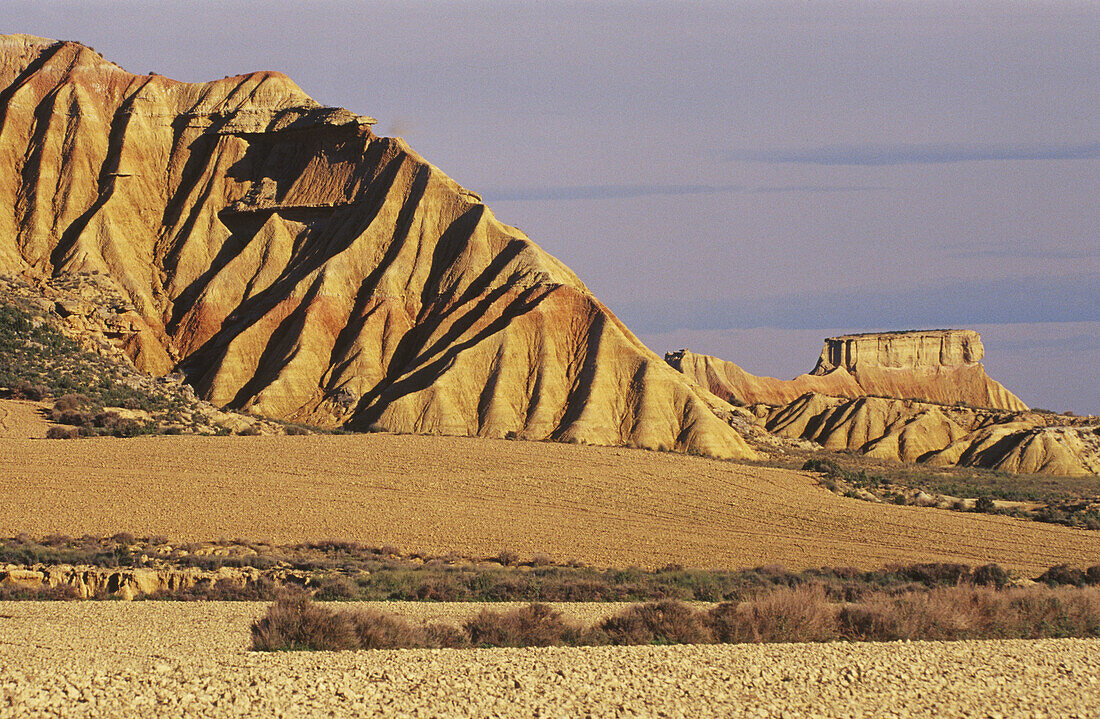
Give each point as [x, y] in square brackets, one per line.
[900, 350]
[934, 366]
[937, 366]
[294, 264]
[733, 384]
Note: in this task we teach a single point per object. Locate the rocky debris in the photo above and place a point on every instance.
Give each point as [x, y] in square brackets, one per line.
[90, 309]
[190, 659]
[296, 266]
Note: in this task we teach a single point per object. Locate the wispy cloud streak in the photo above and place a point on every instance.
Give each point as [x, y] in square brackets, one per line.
[609, 192]
[912, 154]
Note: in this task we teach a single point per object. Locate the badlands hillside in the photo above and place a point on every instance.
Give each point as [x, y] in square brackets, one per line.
[295, 265]
[920, 396]
[942, 366]
[283, 261]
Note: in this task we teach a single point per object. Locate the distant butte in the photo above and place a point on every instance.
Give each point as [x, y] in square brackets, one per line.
[942, 366]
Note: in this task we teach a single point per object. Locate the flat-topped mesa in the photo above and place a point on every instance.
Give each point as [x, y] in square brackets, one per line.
[900, 350]
[939, 366]
[295, 265]
[932, 365]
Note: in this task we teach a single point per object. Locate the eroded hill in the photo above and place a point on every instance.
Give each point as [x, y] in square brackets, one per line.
[920, 396]
[293, 264]
[942, 366]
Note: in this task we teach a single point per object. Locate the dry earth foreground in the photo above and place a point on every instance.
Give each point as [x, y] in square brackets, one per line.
[164, 659]
[609, 507]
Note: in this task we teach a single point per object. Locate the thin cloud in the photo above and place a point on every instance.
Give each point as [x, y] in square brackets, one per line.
[608, 192]
[1023, 253]
[876, 155]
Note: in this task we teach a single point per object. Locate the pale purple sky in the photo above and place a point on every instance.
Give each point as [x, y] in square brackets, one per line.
[739, 178]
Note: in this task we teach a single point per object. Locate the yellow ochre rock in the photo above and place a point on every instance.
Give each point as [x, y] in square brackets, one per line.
[941, 366]
[293, 264]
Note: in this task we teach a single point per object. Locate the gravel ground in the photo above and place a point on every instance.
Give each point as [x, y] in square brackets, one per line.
[606, 506]
[167, 659]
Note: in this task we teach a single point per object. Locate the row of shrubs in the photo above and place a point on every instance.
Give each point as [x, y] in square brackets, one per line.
[350, 571]
[803, 614]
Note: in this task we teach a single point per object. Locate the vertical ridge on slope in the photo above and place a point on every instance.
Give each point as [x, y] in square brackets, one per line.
[293, 264]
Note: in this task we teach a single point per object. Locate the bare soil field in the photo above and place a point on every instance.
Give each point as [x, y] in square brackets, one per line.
[167, 659]
[21, 419]
[603, 506]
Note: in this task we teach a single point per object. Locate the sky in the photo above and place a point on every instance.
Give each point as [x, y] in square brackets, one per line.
[743, 179]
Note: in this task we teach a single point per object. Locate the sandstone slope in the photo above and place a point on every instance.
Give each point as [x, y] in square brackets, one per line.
[295, 265]
[945, 435]
[941, 366]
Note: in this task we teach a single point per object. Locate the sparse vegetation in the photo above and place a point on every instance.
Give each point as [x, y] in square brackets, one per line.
[803, 614]
[37, 361]
[1070, 501]
[346, 571]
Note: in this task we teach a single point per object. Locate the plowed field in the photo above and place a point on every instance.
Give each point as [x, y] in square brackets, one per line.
[605, 506]
[168, 659]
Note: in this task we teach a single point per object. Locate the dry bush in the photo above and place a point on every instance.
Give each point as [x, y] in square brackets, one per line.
[1051, 613]
[445, 636]
[381, 630]
[62, 433]
[30, 391]
[665, 622]
[294, 623]
[801, 614]
[536, 625]
[72, 417]
[1063, 574]
[940, 614]
[71, 403]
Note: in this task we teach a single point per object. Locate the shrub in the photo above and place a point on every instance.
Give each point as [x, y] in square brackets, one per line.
[28, 390]
[444, 636]
[991, 575]
[295, 623]
[379, 630]
[666, 622]
[71, 403]
[62, 433]
[803, 614]
[1063, 574]
[940, 614]
[536, 625]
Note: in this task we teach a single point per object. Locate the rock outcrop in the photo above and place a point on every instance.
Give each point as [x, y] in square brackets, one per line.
[86, 582]
[733, 384]
[941, 366]
[295, 265]
[932, 365]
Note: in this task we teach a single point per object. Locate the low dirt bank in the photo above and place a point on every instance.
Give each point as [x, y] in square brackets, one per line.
[169, 659]
[477, 497]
